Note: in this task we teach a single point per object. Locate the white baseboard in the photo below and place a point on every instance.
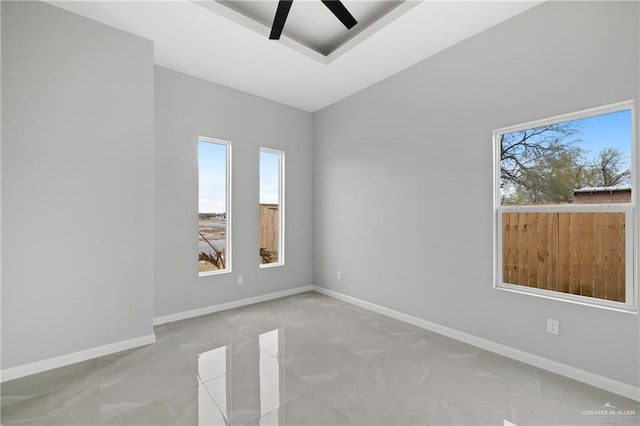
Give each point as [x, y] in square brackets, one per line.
[229, 305]
[72, 358]
[577, 374]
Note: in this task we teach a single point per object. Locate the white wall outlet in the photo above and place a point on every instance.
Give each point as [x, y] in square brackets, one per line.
[553, 326]
[339, 274]
[240, 280]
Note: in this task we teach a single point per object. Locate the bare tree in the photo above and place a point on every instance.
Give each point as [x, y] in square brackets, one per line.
[608, 169]
[540, 164]
[524, 149]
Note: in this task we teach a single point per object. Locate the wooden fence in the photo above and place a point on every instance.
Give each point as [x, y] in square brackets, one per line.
[576, 253]
[269, 230]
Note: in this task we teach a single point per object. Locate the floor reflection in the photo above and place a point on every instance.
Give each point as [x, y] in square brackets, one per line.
[208, 412]
[211, 365]
[214, 363]
[244, 384]
[270, 383]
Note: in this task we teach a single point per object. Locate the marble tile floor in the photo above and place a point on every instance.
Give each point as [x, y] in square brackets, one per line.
[307, 359]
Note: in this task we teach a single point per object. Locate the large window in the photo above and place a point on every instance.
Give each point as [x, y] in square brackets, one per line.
[271, 207]
[214, 230]
[564, 204]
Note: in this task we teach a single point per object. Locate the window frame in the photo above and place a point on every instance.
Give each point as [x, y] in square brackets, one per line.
[228, 252]
[631, 221]
[281, 206]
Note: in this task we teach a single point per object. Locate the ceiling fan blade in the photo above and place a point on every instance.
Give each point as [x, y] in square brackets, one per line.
[341, 12]
[278, 21]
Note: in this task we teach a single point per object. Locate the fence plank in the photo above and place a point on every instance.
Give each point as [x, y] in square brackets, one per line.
[554, 256]
[586, 281]
[621, 235]
[513, 243]
[506, 247]
[532, 250]
[563, 252]
[542, 251]
[611, 257]
[523, 241]
[610, 270]
[575, 252]
[599, 228]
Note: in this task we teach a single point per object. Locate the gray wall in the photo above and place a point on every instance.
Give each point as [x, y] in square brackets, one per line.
[77, 164]
[185, 108]
[403, 179]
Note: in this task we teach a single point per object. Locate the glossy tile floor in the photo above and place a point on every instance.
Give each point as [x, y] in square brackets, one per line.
[306, 359]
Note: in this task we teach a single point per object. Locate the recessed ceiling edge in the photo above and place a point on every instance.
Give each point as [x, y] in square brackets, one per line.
[226, 10]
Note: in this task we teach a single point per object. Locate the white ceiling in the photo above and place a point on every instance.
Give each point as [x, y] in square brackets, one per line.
[204, 40]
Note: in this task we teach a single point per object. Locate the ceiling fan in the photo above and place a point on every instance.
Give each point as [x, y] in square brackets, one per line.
[335, 6]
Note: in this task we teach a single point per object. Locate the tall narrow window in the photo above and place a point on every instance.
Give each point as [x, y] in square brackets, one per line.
[214, 231]
[564, 199]
[271, 207]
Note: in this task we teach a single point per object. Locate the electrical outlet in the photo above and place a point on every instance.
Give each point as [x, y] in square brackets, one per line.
[240, 280]
[339, 274]
[553, 326]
